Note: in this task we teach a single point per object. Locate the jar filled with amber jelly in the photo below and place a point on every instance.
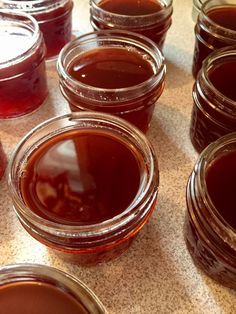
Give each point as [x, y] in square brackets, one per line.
[215, 28]
[23, 85]
[214, 99]
[39, 289]
[150, 18]
[84, 184]
[210, 225]
[116, 72]
[53, 16]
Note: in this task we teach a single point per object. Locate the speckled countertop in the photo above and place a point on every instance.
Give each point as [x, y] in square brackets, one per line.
[156, 275]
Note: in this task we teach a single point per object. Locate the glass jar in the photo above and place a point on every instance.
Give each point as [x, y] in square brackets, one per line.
[148, 18]
[54, 18]
[215, 29]
[22, 65]
[88, 180]
[197, 5]
[214, 99]
[211, 235]
[3, 161]
[114, 54]
[26, 286]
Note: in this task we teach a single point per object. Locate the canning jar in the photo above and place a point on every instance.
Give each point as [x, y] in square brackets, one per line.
[210, 224]
[22, 65]
[146, 17]
[116, 72]
[214, 99]
[36, 289]
[3, 161]
[215, 28]
[54, 18]
[84, 184]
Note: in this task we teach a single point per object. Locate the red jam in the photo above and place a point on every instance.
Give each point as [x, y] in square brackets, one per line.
[213, 113]
[37, 297]
[81, 178]
[215, 30]
[150, 18]
[22, 68]
[110, 70]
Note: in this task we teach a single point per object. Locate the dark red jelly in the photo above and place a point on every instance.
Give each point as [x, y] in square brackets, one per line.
[23, 86]
[151, 18]
[82, 178]
[36, 297]
[216, 28]
[214, 96]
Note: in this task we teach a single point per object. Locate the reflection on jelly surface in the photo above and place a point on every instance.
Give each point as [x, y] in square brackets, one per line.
[110, 68]
[32, 297]
[131, 7]
[224, 16]
[81, 178]
[225, 70]
[220, 181]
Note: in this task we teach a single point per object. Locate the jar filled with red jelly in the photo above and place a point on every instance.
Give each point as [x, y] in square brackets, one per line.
[54, 18]
[84, 184]
[215, 28]
[23, 85]
[36, 289]
[214, 99]
[116, 72]
[150, 18]
[210, 224]
[3, 161]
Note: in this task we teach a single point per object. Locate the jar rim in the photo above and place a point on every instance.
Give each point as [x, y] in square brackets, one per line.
[28, 271]
[36, 35]
[109, 225]
[121, 36]
[167, 5]
[201, 167]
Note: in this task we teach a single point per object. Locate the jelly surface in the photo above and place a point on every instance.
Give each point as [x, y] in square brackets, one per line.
[33, 297]
[111, 68]
[81, 178]
[206, 43]
[220, 181]
[131, 7]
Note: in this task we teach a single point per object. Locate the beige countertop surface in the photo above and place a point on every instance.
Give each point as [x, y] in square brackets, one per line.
[156, 275]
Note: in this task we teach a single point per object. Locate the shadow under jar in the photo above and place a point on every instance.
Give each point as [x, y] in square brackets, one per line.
[37, 289]
[215, 28]
[150, 18]
[84, 184]
[214, 99]
[210, 224]
[54, 18]
[23, 85]
[120, 73]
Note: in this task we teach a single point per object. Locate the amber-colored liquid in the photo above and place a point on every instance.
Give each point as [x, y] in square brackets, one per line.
[224, 16]
[207, 124]
[131, 7]
[113, 68]
[34, 297]
[155, 31]
[81, 177]
[56, 26]
[220, 181]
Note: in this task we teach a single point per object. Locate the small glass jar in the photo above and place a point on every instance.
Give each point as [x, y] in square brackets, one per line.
[47, 288]
[88, 239]
[133, 103]
[197, 5]
[210, 239]
[152, 25]
[54, 18]
[22, 65]
[3, 161]
[211, 32]
[214, 111]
